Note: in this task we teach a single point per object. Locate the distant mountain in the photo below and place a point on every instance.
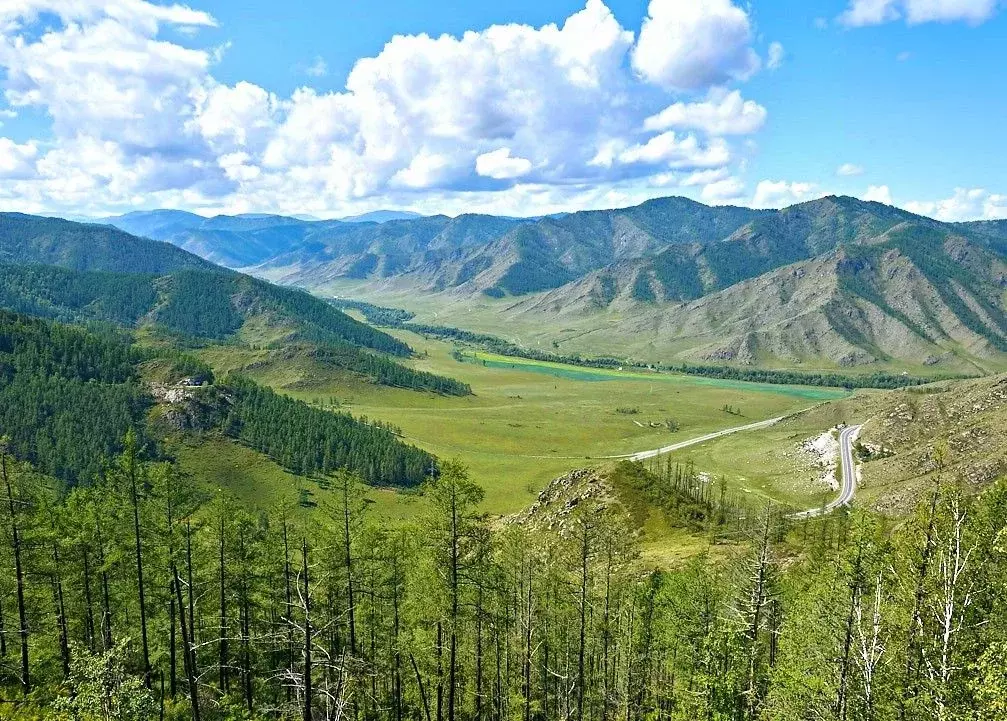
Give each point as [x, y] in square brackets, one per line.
[382, 216]
[835, 281]
[76, 273]
[241, 241]
[651, 263]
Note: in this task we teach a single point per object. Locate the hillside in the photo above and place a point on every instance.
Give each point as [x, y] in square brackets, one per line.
[835, 282]
[78, 273]
[964, 420]
[831, 283]
[28, 239]
[912, 296]
[904, 432]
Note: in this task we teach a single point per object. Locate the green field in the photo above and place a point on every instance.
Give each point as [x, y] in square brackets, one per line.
[527, 421]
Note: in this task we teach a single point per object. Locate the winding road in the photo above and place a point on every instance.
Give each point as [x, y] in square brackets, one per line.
[847, 436]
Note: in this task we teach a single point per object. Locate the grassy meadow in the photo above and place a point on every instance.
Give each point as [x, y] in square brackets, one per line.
[526, 423]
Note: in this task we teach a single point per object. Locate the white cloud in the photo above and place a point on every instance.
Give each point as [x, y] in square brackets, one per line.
[704, 177]
[849, 170]
[721, 114]
[879, 194]
[571, 111]
[131, 13]
[914, 12]
[670, 150]
[16, 161]
[776, 56]
[723, 191]
[242, 116]
[688, 45]
[501, 165]
[964, 204]
[426, 170]
[780, 193]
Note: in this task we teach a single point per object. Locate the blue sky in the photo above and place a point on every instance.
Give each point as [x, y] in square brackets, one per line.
[522, 107]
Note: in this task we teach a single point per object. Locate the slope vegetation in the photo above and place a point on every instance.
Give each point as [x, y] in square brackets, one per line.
[835, 282]
[80, 273]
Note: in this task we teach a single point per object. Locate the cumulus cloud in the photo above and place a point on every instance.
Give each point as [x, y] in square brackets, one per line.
[583, 108]
[964, 204]
[781, 193]
[673, 151]
[849, 170]
[130, 13]
[720, 114]
[501, 165]
[687, 45]
[914, 12]
[727, 190]
[879, 194]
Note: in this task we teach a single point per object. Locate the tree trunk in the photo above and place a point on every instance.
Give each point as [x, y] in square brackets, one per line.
[290, 607]
[584, 553]
[172, 641]
[89, 629]
[106, 606]
[3, 633]
[64, 635]
[19, 577]
[246, 654]
[453, 638]
[189, 647]
[191, 589]
[135, 496]
[527, 647]
[222, 647]
[307, 631]
[479, 654]
[349, 563]
[914, 649]
[855, 587]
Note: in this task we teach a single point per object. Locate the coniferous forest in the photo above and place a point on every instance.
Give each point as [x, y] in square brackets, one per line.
[145, 596]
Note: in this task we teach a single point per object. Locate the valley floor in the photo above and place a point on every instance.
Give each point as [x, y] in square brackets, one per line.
[529, 422]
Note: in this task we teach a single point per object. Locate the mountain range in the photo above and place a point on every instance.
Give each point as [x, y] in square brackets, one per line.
[831, 282]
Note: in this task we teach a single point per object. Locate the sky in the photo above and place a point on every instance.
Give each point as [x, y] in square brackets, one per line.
[516, 107]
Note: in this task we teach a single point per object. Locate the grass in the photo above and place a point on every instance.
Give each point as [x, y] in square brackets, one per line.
[259, 483]
[527, 421]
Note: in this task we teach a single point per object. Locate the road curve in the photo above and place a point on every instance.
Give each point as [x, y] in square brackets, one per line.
[847, 436]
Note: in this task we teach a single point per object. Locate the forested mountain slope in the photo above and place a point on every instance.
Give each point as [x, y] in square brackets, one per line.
[69, 395]
[80, 246]
[556, 609]
[78, 273]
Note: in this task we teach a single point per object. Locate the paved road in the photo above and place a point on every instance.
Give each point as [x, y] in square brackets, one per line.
[644, 455]
[847, 436]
